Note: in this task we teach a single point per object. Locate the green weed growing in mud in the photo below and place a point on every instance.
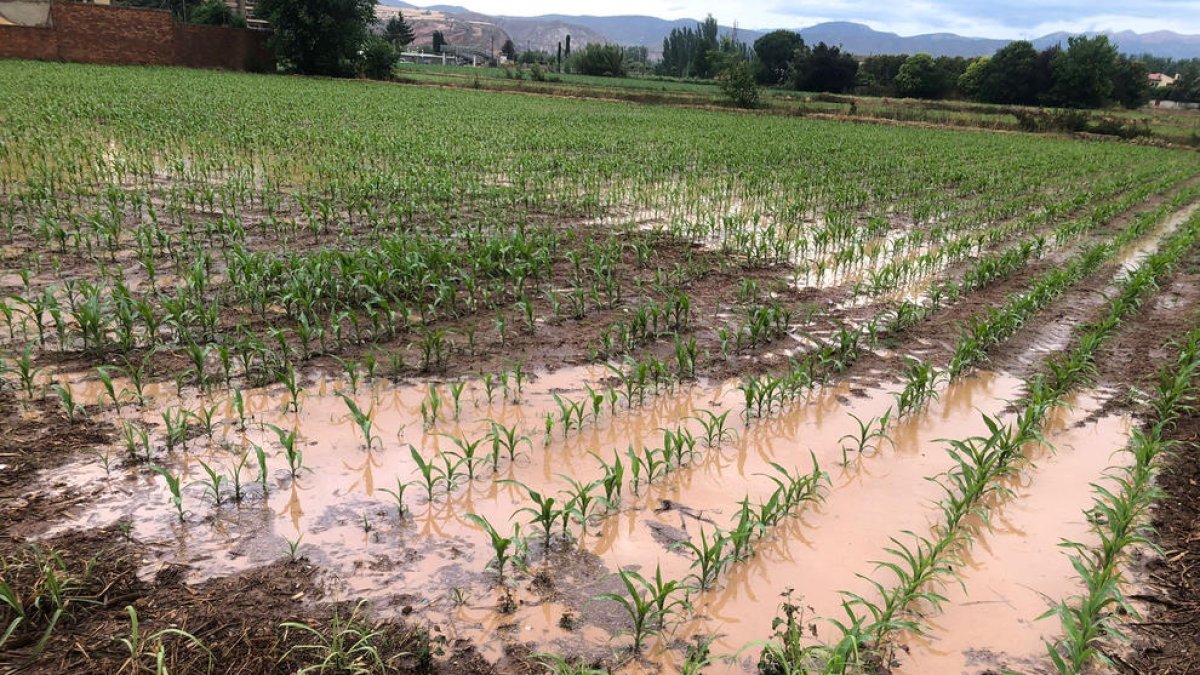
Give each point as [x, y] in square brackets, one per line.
[147, 653]
[347, 645]
[49, 595]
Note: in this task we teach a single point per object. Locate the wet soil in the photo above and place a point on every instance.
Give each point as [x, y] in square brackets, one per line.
[38, 435]
[238, 618]
[232, 591]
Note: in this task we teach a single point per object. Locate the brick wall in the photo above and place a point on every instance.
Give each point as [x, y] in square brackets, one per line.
[21, 42]
[106, 34]
[124, 35]
[222, 47]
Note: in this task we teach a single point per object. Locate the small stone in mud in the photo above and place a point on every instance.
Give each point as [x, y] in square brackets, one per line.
[666, 535]
[542, 582]
[568, 621]
[406, 610]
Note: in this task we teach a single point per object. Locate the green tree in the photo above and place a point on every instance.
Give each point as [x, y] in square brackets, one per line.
[920, 77]
[971, 81]
[737, 82]
[824, 68]
[318, 37]
[1084, 73]
[379, 59]
[1187, 87]
[1131, 84]
[774, 53]
[690, 53]
[598, 59]
[509, 50]
[439, 42]
[217, 13]
[1011, 76]
[879, 72]
[398, 32]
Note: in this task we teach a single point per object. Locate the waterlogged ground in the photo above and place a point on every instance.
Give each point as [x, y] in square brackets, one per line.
[429, 565]
[343, 278]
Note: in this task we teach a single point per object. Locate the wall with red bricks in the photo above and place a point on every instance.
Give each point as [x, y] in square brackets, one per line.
[20, 42]
[124, 35]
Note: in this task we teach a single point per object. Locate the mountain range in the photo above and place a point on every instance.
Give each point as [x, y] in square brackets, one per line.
[477, 31]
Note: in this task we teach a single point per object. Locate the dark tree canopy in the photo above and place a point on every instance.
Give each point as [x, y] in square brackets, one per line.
[318, 37]
[824, 68]
[922, 77]
[217, 13]
[879, 72]
[439, 42]
[509, 50]
[598, 59]
[398, 32]
[379, 58]
[775, 52]
[1131, 84]
[1011, 75]
[1084, 72]
[686, 52]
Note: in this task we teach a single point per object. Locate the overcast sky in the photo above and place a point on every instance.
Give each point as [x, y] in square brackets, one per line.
[979, 18]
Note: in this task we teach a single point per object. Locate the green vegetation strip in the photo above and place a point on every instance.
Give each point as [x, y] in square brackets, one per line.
[1118, 518]
[981, 462]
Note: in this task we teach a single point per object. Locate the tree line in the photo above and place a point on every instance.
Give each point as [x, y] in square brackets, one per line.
[1088, 72]
[343, 38]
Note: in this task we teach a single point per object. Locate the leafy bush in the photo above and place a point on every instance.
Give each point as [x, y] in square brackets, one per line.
[379, 59]
[217, 13]
[738, 85]
[603, 60]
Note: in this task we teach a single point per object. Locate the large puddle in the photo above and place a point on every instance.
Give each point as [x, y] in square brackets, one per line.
[430, 565]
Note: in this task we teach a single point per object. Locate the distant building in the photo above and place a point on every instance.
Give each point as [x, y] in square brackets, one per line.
[1162, 80]
[245, 9]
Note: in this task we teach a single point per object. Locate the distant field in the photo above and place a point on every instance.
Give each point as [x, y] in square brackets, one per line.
[426, 379]
[1175, 126]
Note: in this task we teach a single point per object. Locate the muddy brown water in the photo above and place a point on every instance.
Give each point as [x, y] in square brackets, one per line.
[430, 565]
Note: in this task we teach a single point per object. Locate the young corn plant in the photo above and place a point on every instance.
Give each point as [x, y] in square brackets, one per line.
[648, 604]
[506, 439]
[869, 437]
[543, 513]
[363, 420]
[430, 476]
[175, 489]
[468, 453]
[501, 546]
[293, 454]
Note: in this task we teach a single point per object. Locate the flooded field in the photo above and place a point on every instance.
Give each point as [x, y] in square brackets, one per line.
[299, 400]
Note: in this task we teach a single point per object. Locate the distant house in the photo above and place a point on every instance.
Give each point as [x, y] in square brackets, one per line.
[1162, 80]
[245, 9]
